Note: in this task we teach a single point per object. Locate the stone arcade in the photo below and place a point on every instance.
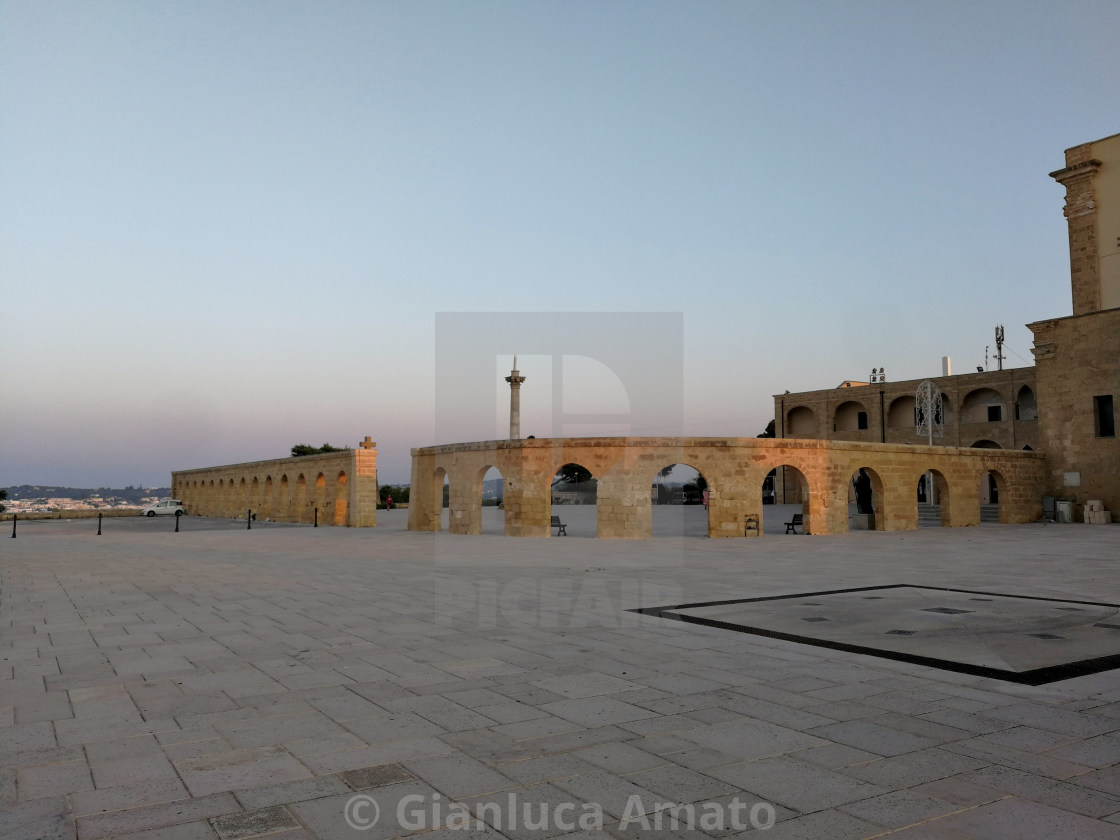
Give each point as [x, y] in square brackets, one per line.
[735, 469]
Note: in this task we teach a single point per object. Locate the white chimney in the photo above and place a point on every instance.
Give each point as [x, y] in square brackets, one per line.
[946, 366]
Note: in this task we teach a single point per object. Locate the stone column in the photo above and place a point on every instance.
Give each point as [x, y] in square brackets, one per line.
[515, 379]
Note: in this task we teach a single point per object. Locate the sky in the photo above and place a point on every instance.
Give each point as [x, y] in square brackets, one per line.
[227, 228]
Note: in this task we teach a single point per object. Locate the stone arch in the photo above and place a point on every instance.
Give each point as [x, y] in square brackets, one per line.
[341, 499]
[1026, 405]
[284, 502]
[850, 416]
[320, 497]
[303, 507]
[441, 495]
[985, 444]
[901, 414]
[991, 488]
[268, 501]
[676, 507]
[564, 493]
[982, 405]
[801, 420]
[242, 499]
[876, 504]
[933, 490]
[486, 499]
[791, 495]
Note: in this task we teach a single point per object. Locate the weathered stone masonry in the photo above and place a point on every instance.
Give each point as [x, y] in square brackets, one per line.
[734, 468]
[341, 485]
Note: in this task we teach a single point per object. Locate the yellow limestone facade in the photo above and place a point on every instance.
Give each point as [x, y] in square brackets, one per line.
[1078, 357]
[991, 408]
[339, 488]
[734, 468]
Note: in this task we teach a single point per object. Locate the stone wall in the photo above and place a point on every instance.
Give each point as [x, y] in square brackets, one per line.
[735, 469]
[1078, 358]
[829, 414]
[340, 486]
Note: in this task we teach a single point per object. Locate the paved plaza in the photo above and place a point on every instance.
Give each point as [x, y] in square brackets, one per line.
[291, 682]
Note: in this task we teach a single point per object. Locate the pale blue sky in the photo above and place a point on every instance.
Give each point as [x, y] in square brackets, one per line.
[227, 227]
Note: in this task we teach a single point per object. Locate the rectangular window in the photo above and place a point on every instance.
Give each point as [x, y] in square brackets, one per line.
[995, 413]
[861, 420]
[1106, 418]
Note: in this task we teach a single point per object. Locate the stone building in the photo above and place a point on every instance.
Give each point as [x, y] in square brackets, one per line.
[988, 410]
[1077, 357]
[1066, 405]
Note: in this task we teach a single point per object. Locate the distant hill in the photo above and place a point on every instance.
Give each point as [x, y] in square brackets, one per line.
[129, 494]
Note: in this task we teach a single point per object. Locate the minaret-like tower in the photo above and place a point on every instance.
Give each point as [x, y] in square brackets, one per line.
[515, 379]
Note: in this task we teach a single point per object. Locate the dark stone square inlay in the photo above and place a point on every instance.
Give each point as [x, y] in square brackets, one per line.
[976, 644]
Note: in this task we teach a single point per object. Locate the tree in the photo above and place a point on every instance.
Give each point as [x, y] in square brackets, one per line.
[769, 432]
[304, 449]
[398, 492]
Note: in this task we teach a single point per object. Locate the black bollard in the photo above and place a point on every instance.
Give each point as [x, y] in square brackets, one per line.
[249, 519]
[99, 523]
[178, 513]
[316, 517]
[15, 517]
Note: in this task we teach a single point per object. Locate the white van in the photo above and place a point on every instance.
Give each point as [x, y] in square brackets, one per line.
[164, 507]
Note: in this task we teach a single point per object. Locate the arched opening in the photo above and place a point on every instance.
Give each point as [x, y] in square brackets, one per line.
[284, 503]
[441, 496]
[933, 499]
[319, 502]
[865, 501]
[851, 416]
[992, 486]
[1028, 448]
[982, 405]
[1026, 406]
[902, 413]
[341, 499]
[303, 509]
[491, 487]
[986, 444]
[801, 422]
[785, 495]
[679, 498]
[573, 497]
[241, 503]
[268, 502]
[254, 502]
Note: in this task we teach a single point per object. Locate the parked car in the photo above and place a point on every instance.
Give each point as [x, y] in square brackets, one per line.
[164, 507]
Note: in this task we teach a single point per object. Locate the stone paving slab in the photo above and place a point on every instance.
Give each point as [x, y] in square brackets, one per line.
[220, 683]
